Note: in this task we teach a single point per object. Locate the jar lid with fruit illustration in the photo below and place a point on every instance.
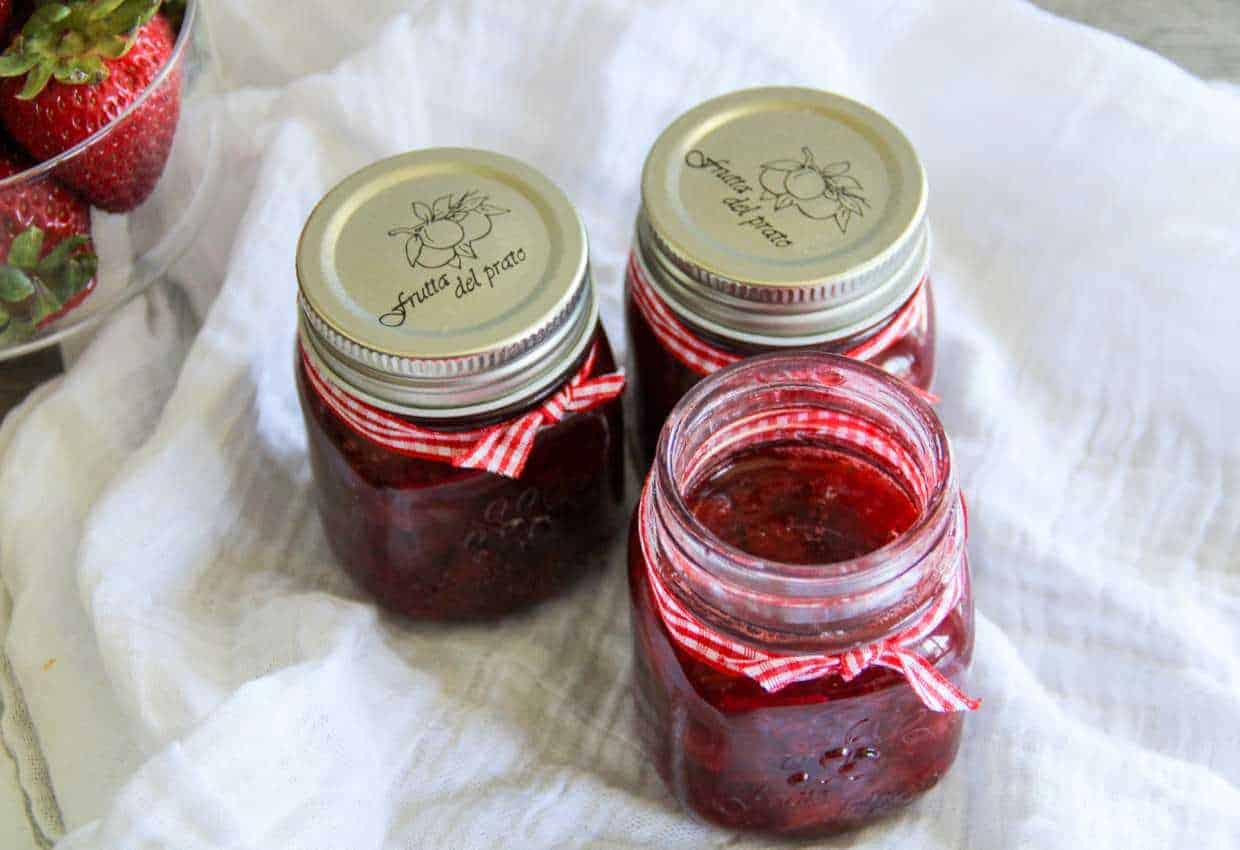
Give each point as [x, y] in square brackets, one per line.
[783, 216]
[445, 283]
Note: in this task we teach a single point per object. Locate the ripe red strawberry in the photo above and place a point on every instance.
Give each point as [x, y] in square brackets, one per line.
[83, 63]
[46, 265]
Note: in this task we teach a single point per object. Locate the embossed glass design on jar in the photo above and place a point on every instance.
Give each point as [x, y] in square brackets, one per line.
[802, 614]
[776, 219]
[460, 396]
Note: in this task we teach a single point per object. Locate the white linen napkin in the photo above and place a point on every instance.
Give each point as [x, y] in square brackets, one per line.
[188, 668]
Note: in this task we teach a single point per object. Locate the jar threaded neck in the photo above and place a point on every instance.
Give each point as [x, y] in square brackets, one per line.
[817, 399]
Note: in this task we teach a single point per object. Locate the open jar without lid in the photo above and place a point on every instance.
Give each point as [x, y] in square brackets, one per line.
[774, 219]
[460, 395]
[802, 612]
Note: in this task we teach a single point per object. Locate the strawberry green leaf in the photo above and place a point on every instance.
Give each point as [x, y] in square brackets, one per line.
[114, 48]
[92, 68]
[466, 250]
[46, 15]
[441, 206]
[16, 64]
[45, 304]
[73, 277]
[57, 256]
[128, 15]
[422, 211]
[492, 210]
[17, 330]
[25, 249]
[835, 169]
[104, 8]
[15, 285]
[784, 202]
[35, 81]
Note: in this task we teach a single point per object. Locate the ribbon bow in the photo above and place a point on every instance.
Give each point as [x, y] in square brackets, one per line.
[773, 671]
[502, 448]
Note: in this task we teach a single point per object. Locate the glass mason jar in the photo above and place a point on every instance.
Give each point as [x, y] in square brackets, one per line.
[773, 219]
[802, 614]
[460, 396]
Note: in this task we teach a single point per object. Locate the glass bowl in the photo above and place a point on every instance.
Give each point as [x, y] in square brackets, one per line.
[136, 248]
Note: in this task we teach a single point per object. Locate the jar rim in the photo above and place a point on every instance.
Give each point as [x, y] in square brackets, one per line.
[868, 586]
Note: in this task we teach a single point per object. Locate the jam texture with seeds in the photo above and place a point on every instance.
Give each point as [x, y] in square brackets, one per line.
[431, 541]
[657, 379]
[816, 757]
[802, 505]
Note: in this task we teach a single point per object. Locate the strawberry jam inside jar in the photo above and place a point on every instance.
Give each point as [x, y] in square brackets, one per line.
[802, 614]
[776, 219]
[460, 396]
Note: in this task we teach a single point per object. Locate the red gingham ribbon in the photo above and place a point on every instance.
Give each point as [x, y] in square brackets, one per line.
[773, 671]
[703, 358]
[502, 448]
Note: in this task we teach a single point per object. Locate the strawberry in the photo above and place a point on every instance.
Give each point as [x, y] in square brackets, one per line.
[84, 63]
[46, 265]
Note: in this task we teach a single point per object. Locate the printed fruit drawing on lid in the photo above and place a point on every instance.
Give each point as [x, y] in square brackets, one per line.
[817, 192]
[447, 229]
[425, 277]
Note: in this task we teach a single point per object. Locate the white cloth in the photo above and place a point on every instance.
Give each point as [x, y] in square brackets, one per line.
[217, 683]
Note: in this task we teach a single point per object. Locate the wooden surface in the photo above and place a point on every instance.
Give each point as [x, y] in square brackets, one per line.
[1202, 36]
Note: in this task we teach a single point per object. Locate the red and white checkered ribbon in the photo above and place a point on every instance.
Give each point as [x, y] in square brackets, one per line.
[773, 671]
[703, 358]
[502, 448]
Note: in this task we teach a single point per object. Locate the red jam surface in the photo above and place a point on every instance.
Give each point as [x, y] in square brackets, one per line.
[802, 505]
[816, 757]
[431, 541]
[657, 379]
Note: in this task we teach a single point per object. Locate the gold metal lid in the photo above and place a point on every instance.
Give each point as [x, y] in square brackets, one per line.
[445, 282]
[783, 216]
